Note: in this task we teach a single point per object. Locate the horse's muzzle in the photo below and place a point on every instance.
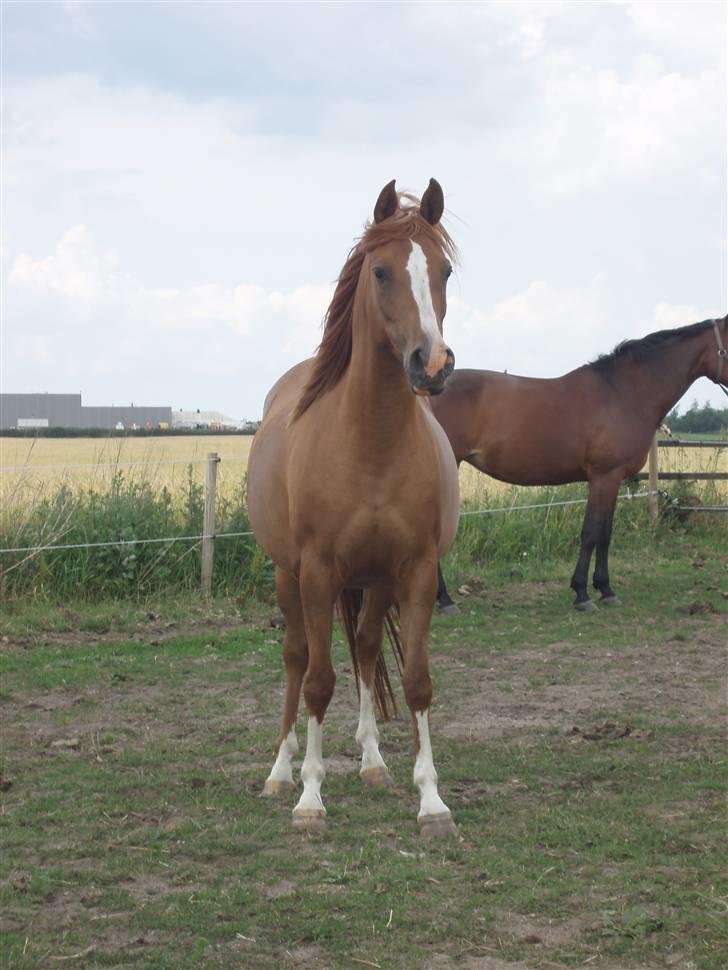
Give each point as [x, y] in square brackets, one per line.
[426, 377]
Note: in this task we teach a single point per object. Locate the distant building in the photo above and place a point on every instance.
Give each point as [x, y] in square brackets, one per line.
[212, 420]
[67, 411]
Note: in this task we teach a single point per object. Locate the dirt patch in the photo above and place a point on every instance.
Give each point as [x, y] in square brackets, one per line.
[242, 953]
[126, 715]
[535, 931]
[470, 961]
[558, 687]
[152, 632]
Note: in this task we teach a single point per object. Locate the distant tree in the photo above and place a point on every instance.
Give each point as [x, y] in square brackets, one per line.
[699, 420]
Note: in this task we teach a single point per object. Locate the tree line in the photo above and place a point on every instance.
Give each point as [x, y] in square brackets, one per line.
[699, 420]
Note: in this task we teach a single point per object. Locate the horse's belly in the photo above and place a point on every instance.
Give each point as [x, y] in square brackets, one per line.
[542, 462]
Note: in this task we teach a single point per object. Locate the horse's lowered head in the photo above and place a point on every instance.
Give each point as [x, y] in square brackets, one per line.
[407, 263]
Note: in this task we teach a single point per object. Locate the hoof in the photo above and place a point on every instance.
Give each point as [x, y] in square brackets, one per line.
[609, 601]
[376, 777]
[437, 826]
[273, 788]
[586, 606]
[450, 609]
[309, 820]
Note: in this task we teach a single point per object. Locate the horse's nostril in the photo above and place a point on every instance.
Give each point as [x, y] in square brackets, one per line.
[417, 360]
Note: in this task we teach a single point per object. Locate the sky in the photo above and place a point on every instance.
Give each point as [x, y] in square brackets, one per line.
[182, 182]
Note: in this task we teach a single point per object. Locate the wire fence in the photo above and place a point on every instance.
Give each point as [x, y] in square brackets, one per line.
[208, 535]
[115, 464]
[125, 542]
[229, 535]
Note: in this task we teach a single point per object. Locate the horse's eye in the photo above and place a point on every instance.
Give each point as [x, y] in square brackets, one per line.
[447, 273]
[381, 274]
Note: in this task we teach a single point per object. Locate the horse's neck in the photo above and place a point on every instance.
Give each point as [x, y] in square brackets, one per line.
[661, 382]
[378, 402]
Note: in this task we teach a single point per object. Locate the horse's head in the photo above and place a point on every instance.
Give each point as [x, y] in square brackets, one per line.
[405, 271]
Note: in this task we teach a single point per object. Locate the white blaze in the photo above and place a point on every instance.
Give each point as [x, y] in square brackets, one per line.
[420, 277]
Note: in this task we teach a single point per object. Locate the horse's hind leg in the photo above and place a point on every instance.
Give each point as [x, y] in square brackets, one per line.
[295, 658]
[445, 603]
[369, 635]
[416, 594]
[601, 567]
[319, 591]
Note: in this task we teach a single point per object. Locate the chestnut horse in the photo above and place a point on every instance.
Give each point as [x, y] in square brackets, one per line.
[353, 493]
[594, 424]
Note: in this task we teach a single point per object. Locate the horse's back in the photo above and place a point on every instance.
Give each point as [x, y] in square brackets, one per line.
[267, 484]
[522, 430]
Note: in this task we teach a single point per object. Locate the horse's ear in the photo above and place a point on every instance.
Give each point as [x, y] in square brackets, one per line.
[432, 205]
[387, 203]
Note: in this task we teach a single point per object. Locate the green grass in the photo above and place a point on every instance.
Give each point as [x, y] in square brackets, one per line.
[140, 839]
[129, 509]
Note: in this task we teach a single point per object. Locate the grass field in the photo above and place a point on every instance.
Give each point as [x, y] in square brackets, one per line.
[583, 757]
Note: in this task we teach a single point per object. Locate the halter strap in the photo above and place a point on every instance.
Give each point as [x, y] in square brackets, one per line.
[722, 355]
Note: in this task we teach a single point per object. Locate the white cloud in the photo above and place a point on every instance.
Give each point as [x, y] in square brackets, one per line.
[669, 315]
[543, 330]
[78, 269]
[88, 280]
[599, 126]
[696, 29]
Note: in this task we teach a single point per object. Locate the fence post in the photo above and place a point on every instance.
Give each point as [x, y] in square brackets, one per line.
[208, 525]
[652, 482]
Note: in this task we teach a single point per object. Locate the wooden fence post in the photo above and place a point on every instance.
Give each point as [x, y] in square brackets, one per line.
[208, 525]
[652, 480]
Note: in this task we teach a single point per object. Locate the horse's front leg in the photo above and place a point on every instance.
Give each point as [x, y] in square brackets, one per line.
[295, 659]
[416, 594]
[319, 590]
[368, 645]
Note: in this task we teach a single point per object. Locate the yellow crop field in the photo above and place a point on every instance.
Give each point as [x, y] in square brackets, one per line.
[29, 467]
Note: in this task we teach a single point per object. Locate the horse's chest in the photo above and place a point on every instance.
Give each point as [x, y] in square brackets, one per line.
[362, 520]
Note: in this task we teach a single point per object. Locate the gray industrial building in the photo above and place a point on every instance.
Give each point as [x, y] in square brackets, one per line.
[66, 411]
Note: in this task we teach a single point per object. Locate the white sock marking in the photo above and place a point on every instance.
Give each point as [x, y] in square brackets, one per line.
[367, 734]
[417, 269]
[282, 769]
[425, 775]
[312, 769]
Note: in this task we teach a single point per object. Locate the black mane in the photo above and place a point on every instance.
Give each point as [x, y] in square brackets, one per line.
[642, 350]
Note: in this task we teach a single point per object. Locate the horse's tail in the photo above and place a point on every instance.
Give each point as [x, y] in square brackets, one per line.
[350, 604]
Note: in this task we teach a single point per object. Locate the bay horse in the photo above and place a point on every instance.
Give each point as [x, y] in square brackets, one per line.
[352, 491]
[594, 424]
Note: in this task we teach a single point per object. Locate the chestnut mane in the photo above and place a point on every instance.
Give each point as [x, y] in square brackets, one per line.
[334, 352]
